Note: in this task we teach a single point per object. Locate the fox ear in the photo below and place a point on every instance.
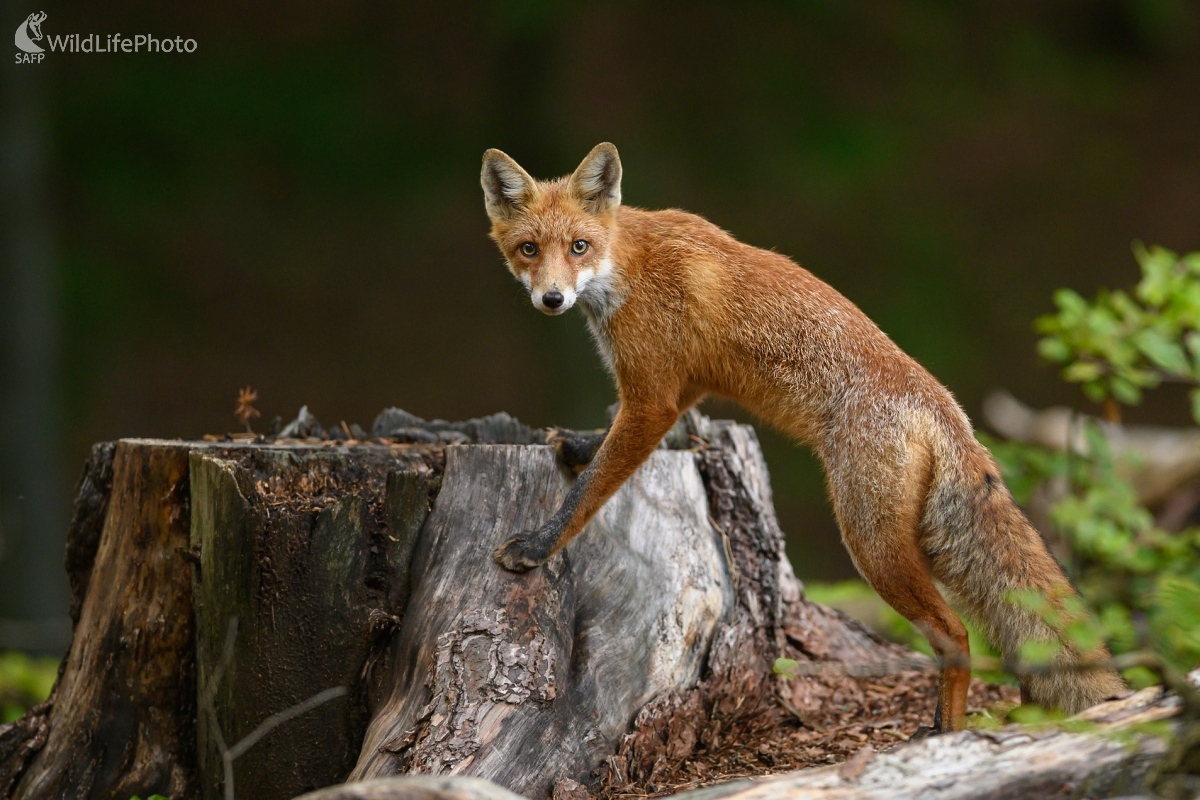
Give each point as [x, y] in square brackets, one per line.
[597, 179]
[506, 187]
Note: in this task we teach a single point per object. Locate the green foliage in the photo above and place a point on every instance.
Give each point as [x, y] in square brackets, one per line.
[24, 682]
[858, 600]
[785, 667]
[1140, 583]
[1119, 344]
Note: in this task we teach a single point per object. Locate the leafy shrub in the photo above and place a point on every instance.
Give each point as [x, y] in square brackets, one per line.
[1141, 583]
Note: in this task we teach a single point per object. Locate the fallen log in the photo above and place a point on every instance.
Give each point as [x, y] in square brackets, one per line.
[1156, 459]
[1111, 751]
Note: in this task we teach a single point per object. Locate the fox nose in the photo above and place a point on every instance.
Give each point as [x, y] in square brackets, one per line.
[552, 299]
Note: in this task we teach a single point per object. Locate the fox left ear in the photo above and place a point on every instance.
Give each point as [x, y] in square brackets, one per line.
[597, 179]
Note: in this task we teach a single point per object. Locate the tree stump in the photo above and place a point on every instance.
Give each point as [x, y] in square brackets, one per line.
[121, 715]
[277, 616]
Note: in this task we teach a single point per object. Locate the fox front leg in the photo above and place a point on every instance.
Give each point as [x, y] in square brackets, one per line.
[634, 434]
[525, 551]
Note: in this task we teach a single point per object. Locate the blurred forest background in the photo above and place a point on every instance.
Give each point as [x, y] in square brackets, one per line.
[296, 207]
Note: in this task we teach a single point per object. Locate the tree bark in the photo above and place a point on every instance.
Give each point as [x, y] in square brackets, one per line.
[304, 550]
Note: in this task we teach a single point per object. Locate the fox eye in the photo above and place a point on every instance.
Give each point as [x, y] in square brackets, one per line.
[529, 249]
[579, 247]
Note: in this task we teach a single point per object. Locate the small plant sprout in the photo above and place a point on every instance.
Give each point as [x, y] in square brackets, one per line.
[245, 410]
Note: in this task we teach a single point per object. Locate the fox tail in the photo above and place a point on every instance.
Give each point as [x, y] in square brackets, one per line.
[986, 552]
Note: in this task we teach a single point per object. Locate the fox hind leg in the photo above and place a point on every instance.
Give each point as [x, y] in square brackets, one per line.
[902, 578]
[884, 544]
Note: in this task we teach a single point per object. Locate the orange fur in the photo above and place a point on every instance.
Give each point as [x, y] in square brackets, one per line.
[680, 309]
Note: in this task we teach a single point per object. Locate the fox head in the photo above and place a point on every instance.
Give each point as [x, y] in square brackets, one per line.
[556, 235]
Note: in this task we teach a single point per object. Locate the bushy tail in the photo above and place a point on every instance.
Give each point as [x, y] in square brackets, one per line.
[986, 552]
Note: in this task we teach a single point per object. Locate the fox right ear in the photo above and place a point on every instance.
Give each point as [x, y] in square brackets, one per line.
[597, 180]
[506, 187]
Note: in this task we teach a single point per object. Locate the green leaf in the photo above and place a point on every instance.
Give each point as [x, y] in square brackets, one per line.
[1157, 264]
[1039, 653]
[785, 667]
[1054, 349]
[1082, 371]
[1164, 353]
[1125, 391]
[1070, 303]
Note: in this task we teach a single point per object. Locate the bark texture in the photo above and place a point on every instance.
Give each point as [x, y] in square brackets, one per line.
[119, 722]
[300, 557]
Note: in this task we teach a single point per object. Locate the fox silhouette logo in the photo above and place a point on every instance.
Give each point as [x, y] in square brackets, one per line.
[30, 31]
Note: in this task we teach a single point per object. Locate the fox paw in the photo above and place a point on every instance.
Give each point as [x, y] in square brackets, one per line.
[924, 732]
[522, 553]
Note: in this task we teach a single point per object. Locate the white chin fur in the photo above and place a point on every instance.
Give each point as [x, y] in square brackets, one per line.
[598, 290]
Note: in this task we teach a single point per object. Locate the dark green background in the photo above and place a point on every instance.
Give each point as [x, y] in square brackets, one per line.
[296, 206]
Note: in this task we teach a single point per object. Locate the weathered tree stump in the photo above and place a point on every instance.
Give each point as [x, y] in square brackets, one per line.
[300, 553]
[276, 616]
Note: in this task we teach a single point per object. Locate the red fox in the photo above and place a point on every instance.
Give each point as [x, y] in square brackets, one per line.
[680, 309]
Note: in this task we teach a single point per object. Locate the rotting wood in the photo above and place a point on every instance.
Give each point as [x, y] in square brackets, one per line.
[21, 740]
[417, 787]
[296, 547]
[1010, 762]
[739, 696]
